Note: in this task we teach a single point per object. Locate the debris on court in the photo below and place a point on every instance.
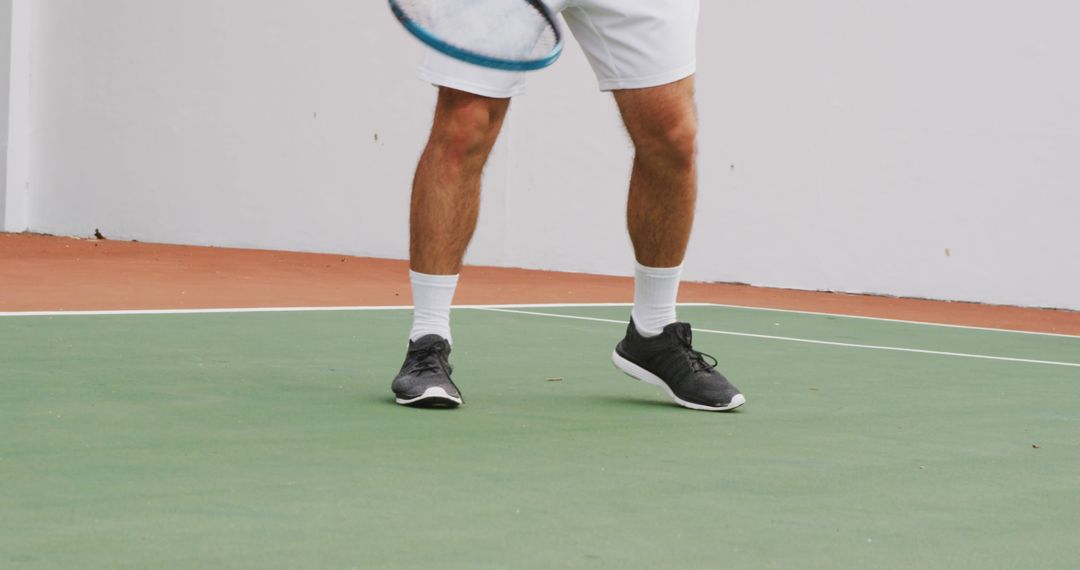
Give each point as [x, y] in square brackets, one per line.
[1035, 446]
[555, 379]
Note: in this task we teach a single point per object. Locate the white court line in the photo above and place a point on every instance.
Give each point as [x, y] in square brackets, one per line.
[508, 306]
[502, 306]
[883, 319]
[512, 309]
[303, 309]
[804, 340]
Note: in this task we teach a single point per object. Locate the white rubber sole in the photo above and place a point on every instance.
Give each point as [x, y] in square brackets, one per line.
[431, 396]
[638, 373]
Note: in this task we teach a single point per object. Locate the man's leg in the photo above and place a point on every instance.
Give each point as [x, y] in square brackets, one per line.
[445, 206]
[446, 188]
[662, 123]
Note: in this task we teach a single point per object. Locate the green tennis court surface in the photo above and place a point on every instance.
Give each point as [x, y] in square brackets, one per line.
[271, 440]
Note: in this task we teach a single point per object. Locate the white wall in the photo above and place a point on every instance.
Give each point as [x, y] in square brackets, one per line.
[18, 28]
[5, 76]
[845, 145]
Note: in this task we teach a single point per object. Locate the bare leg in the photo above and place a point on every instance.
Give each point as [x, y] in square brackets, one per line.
[662, 122]
[446, 189]
[445, 205]
[660, 212]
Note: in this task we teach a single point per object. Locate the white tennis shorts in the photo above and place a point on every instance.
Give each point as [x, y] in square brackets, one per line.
[630, 44]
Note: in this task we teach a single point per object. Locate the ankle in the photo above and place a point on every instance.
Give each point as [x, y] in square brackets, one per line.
[432, 297]
[656, 290]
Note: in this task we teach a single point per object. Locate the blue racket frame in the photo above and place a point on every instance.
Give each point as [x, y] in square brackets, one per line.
[479, 59]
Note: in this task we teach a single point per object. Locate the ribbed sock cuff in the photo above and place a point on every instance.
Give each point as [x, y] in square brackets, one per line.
[432, 297]
[656, 290]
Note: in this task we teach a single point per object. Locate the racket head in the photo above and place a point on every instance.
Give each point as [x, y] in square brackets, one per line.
[511, 35]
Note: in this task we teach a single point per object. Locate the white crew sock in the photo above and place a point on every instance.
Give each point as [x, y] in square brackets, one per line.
[432, 295]
[655, 291]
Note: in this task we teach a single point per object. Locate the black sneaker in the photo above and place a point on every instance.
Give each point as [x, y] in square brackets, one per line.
[668, 361]
[424, 380]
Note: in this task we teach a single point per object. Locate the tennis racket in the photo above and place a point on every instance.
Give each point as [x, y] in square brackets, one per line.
[513, 35]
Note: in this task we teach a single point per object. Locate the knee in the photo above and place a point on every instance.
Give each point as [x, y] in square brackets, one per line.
[466, 125]
[671, 142]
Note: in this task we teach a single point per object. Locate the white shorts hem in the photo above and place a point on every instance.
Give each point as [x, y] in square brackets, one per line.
[441, 80]
[671, 76]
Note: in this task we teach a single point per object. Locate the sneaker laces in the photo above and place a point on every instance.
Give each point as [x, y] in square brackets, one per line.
[697, 358]
[428, 358]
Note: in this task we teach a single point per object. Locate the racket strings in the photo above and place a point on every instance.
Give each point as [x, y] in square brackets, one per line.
[513, 30]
